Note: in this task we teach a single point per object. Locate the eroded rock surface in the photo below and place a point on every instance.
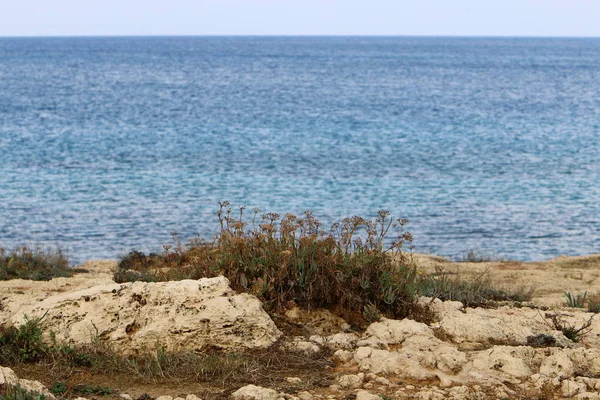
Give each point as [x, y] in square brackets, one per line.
[139, 316]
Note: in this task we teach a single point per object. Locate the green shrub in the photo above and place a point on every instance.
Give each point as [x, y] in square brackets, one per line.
[9, 392]
[576, 301]
[34, 262]
[292, 260]
[58, 388]
[477, 256]
[23, 343]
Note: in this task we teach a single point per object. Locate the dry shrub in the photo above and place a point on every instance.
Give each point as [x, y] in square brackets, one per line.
[290, 260]
[34, 262]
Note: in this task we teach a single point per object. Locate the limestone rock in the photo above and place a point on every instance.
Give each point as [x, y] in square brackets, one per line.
[364, 395]
[420, 356]
[318, 322]
[9, 378]
[390, 332]
[342, 340]
[570, 388]
[304, 395]
[508, 326]
[506, 362]
[342, 356]
[299, 345]
[252, 392]
[139, 316]
[351, 381]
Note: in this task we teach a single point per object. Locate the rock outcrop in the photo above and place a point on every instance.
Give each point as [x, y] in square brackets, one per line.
[137, 317]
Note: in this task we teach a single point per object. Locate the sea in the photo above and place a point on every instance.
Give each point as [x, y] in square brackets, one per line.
[109, 144]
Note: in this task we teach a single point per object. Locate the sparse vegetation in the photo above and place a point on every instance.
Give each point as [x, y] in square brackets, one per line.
[34, 262]
[290, 260]
[23, 343]
[353, 268]
[10, 392]
[576, 301]
[477, 256]
[477, 292]
[593, 303]
[571, 332]
[98, 358]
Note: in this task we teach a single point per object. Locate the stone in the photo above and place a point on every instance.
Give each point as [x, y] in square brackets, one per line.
[9, 378]
[570, 388]
[318, 322]
[304, 395]
[588, 396]
[342, 340]
[342, 356]
[505, 325]
[390, 332]
[252, 392]
[364, 395]
[351, 381]
[139, 317]
[513, 362]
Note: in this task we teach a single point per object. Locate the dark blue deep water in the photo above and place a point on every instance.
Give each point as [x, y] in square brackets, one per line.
[109, 144]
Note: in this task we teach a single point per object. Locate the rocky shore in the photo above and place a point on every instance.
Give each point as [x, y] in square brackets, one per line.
[508, 351]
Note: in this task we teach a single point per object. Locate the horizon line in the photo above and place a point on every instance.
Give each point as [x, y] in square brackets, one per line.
[294, 36]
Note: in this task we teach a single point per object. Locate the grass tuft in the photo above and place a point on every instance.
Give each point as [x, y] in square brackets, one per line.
[10, 392]
[477, 256]
[476, 292]
[576, 300]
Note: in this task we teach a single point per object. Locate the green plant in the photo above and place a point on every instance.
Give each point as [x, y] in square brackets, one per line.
[570, 331]
[576, 301]
[34, 262]
[92, 390]
[593, 303]
[58, 387]
[476, 292]
[23, 343]
[10, 392]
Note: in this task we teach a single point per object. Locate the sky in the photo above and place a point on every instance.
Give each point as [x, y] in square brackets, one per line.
[300, 17]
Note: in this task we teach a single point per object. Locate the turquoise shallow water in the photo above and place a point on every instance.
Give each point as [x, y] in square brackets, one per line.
[109, 144]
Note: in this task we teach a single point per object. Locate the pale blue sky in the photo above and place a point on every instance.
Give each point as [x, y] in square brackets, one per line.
[300, 17]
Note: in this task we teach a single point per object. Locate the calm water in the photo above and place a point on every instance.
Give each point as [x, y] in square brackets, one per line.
[109, 144]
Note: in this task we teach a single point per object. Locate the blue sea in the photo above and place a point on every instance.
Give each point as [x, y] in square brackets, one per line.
[111, 144]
